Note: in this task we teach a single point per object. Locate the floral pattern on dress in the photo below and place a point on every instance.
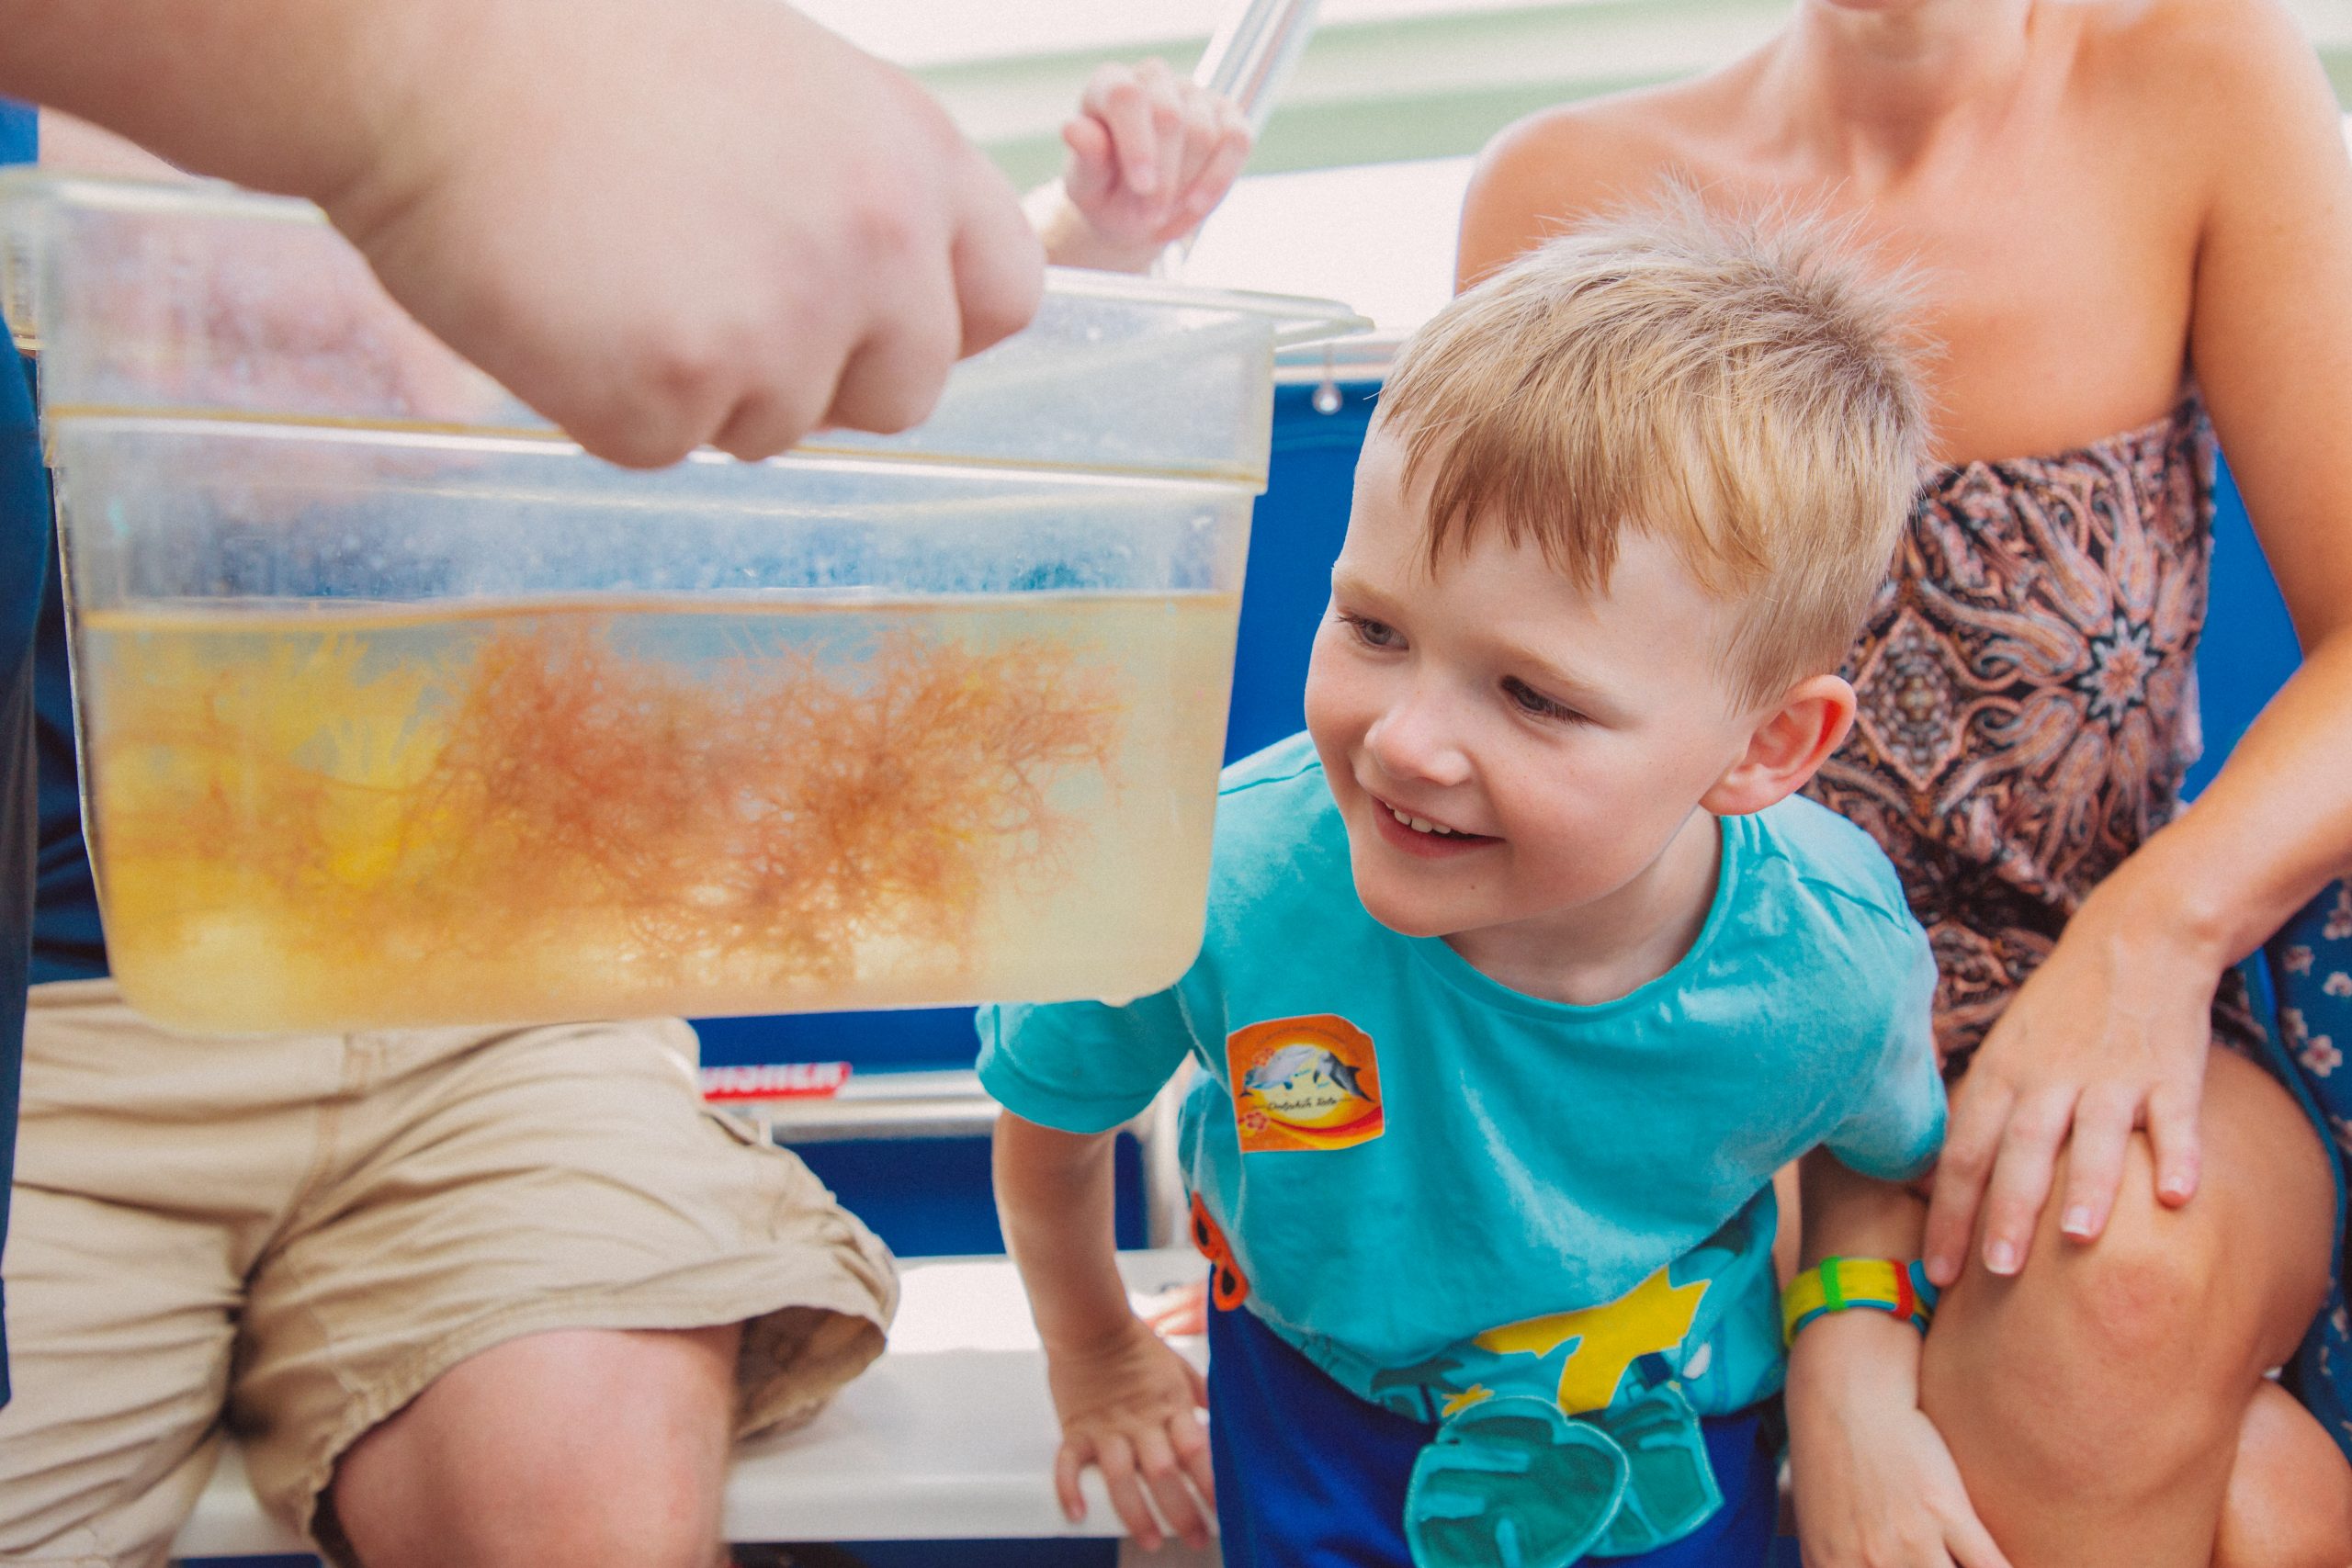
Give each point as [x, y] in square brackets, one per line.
[2310, 965]
[2027, 698]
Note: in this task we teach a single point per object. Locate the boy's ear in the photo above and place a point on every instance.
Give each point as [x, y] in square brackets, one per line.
[1789, 744]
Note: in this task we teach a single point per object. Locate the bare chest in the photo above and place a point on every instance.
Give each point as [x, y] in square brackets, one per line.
[2054, 276]
[2047, 330]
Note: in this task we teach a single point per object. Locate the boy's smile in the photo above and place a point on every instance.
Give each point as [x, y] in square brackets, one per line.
[1519, 764]
[1423, 836]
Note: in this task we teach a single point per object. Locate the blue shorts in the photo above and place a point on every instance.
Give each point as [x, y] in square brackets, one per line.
[1310, 1476]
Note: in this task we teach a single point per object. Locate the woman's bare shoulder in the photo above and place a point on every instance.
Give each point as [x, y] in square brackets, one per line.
[1554, 168]
[2203, 95]
[1624, 133]
[2187, 62]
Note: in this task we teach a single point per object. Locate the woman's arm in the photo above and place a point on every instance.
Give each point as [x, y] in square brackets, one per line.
[2111, 1032]
[1549, 171]
[1127, 1401]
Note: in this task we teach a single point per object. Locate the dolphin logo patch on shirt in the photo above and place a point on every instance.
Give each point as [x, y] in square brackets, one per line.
[1304, 1083]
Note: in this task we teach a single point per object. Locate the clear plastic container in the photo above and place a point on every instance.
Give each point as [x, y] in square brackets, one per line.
[397, 708]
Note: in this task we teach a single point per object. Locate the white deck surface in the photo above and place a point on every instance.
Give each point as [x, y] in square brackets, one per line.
[950, 1436]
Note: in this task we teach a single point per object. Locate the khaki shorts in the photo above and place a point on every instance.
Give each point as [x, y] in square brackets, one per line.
[303, 1232]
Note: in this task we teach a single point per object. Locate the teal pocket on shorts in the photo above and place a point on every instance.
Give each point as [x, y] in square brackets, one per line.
[1511, 1481]
[1670, 1487]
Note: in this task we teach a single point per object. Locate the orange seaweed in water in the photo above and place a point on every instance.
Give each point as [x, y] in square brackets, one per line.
[780, 812]
[764, 819]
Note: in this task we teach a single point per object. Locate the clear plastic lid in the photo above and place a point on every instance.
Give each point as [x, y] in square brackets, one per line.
[205, 301]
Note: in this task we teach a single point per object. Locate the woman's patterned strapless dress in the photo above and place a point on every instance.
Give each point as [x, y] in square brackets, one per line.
[2027, 694]
[2028, 691]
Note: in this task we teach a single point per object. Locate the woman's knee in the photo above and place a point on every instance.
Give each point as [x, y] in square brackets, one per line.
[2094, 1375]
[2290, 1502]
[2154, 1335]
[2148, 1293]
[2227, 1281]
[2272, 1223]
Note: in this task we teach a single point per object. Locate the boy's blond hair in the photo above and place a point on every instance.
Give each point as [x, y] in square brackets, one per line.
[1734, 385]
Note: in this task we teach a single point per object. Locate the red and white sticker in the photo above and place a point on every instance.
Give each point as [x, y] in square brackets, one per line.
[775, 1080]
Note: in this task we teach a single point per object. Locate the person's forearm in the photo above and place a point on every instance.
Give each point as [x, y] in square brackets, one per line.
[2272, 829]
[1846, 1215]
[287, 95]
[1849, 1355]
[1054, 1194]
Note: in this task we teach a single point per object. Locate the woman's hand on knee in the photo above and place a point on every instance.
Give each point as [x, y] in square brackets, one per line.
[2107, 1037]
[1875, 1485]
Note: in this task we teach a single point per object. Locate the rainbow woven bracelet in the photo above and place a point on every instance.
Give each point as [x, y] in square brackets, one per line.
[1841, 1284]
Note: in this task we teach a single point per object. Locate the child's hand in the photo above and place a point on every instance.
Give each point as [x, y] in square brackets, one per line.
[1128, 1408]
[1150, 156]
[1875, 1485]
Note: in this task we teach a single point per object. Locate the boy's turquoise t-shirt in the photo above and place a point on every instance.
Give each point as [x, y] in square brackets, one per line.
[1440, 1189]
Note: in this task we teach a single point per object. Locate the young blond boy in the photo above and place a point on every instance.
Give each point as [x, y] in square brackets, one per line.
[1524, 970]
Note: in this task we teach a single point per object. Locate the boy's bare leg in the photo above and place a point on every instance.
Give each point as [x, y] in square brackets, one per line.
[583, 1447]
[2095, 1403]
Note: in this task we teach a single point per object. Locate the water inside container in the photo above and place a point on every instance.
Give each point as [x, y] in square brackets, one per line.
[308, 816]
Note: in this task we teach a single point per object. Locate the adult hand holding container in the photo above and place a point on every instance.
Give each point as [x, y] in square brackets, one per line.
[396, 708]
